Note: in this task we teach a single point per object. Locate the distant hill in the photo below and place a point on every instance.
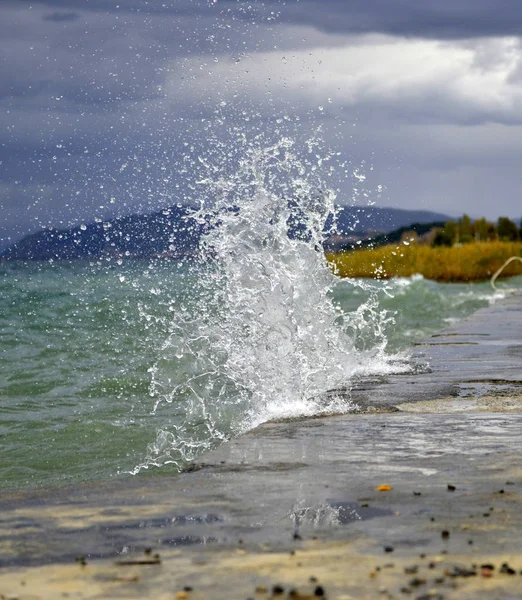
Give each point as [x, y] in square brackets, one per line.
[173, 232]
[363, 219]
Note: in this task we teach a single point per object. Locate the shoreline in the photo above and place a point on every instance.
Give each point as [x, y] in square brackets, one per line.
[293, 500]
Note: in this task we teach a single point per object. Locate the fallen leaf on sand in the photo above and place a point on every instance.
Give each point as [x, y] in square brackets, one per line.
[384, 488]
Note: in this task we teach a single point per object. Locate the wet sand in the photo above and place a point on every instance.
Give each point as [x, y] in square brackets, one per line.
[304, 508]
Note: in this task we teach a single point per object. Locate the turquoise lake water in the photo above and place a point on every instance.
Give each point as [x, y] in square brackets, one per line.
[83, 343]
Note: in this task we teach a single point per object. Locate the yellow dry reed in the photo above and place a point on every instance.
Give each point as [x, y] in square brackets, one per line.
[469, 262]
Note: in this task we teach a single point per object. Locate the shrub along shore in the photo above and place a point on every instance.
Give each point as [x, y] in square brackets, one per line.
[459, 263]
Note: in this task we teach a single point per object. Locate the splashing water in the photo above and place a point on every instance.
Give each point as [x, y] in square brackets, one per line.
[259, 336]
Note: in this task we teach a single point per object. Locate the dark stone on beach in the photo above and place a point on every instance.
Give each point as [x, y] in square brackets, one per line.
[417, 582]
[461, 572]
[188, 588]
[451, 488]
[417, 493]
[319, 591]
[388, 548]
[278, 590]
[506, 569]
[411, 570]
[313, 579]
[445, 534]
[296, 536]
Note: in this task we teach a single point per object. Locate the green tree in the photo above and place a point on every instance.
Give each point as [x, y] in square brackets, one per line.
[507, 230]
[483, 230]
[492, 230]
[465, 230]
[451, 230]
[441, 238]
[447, 236]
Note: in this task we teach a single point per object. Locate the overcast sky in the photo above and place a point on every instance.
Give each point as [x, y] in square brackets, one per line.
[106, 105]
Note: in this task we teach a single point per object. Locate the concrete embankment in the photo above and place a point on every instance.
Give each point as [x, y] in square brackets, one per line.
[418, 496]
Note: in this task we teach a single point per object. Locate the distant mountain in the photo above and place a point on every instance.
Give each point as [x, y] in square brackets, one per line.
[364, 219]
[174, 232]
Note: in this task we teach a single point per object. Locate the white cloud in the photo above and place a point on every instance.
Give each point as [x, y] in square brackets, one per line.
[413, 80]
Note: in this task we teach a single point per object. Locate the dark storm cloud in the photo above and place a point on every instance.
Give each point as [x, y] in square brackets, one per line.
[62, 17]
[440, 19]
[447, 19]
[87, 61]
[102, 100]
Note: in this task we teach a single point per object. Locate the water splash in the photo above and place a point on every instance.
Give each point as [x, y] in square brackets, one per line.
[257, 335]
